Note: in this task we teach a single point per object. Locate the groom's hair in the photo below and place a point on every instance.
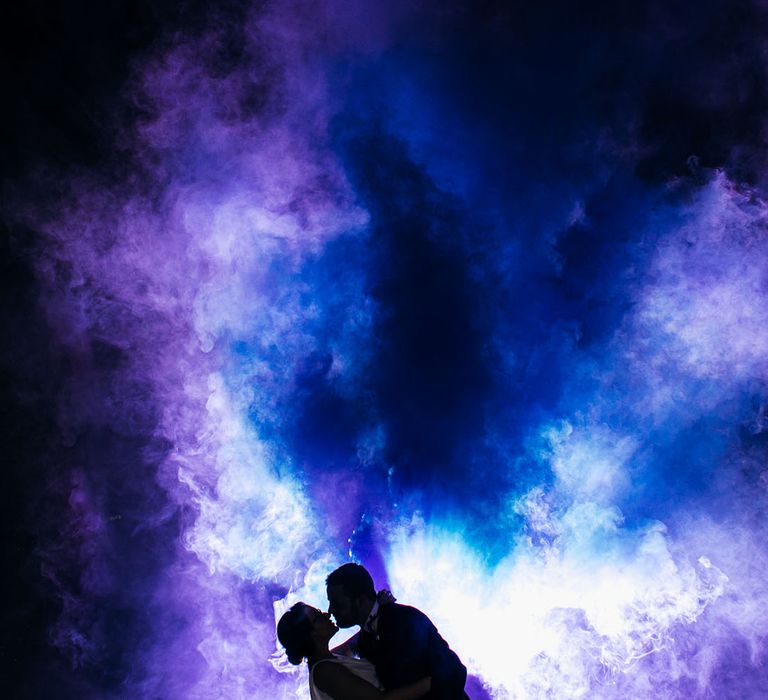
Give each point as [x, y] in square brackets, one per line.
[354, 579]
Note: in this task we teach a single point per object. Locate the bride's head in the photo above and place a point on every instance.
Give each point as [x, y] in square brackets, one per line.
[304, 631]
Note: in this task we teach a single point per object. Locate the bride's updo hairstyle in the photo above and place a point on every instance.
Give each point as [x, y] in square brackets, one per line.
[295, 633]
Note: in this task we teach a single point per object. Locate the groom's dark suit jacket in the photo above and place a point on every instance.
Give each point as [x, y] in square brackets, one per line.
[407, 647]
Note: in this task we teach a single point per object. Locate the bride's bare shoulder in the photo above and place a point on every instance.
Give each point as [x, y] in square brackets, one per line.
[325, 671]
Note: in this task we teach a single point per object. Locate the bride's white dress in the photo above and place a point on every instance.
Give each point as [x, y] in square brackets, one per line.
[359, 667]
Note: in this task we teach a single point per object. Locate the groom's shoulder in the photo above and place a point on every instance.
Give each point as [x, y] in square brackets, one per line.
[397, 613]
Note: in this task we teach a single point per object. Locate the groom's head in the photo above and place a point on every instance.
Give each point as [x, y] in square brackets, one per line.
[350, 594]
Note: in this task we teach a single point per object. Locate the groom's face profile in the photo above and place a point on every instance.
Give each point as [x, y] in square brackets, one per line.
[343, 607]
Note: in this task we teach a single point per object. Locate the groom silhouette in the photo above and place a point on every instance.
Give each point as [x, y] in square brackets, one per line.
[400, 641]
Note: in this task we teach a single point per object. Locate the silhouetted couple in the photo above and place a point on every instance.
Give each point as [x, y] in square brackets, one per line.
[402, 656]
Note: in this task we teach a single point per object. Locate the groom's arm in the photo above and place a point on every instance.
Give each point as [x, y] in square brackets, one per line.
[414, 649]
[449, 675]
